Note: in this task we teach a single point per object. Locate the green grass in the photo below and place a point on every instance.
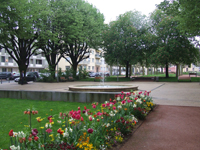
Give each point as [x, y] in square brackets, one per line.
[109, 79]
[12, 116]
[159, 75]
[174, 79]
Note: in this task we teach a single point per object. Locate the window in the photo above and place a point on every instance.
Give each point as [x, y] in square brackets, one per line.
[3, 59]
[3, 69]
[31, 61]
[88, 67]
[88, 59]
[10, 59]
[85, 67]
[92, 67]
[67, 67]
[92, 59]
[38, 61]
[68, 58]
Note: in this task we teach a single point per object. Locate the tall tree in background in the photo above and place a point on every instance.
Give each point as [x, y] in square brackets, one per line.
[173, 47]
[50, 41]
[82, 29]
[187, 12]
[123, 38]
[19, 21]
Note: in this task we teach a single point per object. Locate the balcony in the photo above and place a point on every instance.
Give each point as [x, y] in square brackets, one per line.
[84, 62]
[97, 63]
[97, 56]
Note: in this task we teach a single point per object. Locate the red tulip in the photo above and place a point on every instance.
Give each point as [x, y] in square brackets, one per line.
[90, 130]
[29, 139]
[11, 133]
[36, 138]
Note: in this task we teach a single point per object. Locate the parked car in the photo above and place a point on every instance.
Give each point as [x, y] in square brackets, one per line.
[92, 74]
[30, 76]
[16, 75]
[5, 75]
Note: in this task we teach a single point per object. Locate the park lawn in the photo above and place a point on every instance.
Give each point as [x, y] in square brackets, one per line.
[13, 117]
[175, 79]
[159, 75]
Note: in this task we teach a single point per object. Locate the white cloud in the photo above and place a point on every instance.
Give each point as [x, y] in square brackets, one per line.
[113, 8]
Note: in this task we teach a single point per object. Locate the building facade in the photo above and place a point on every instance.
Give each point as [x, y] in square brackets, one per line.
[95, 62]
[7, 64]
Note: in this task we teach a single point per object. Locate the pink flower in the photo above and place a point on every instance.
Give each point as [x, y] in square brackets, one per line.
[48, 130]
[114, 108]
[103, 105]
[79, 108]
[123, 102]
[90, 130]
[129, 101]
[90, 118]
[136, 98]
[78, 117]
[94, 106]
[34, 132]
[99, 114]
[82, 119]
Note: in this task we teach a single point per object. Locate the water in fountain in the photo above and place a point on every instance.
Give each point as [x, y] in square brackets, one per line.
[103, 66]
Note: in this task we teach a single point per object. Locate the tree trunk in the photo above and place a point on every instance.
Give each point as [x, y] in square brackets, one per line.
[120, 70]
[110, 70]
[166, 70]
[130, 70]
[147, 70]
[161, 69]
[177, 70]
[74, 66]
[143, 70]
[127, 65]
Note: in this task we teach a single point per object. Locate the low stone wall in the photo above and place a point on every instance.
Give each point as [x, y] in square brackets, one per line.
[83, 97]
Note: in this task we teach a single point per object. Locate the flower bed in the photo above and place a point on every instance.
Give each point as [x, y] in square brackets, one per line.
[104, 126]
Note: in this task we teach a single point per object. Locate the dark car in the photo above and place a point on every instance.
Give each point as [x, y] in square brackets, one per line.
[5, 75]
[30, 76]
[16, 75]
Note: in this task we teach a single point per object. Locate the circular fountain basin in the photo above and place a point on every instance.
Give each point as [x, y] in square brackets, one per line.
[103, 88]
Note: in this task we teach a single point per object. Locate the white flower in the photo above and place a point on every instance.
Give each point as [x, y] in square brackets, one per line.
[21, 134]
[112, 114]
[86, 113]
[47, 125]
[59, 121]
[108, 124]
[14, 148]
[119, 106]
[118, 98]
[134, 106]
[106, 102]
[139, 101]
[15, 134]
[65, 134]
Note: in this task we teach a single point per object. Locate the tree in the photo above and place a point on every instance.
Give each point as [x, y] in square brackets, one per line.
[19, 20]
[173, 47]
[122, 39]
[187, 12]
[50, 41]
[82, 29]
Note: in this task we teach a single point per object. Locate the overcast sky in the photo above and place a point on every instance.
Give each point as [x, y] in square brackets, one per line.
[113, 8]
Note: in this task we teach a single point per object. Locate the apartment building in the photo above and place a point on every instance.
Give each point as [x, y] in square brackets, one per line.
[7, 64]
[95, 62]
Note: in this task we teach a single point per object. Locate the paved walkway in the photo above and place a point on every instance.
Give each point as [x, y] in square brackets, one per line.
[174, 124]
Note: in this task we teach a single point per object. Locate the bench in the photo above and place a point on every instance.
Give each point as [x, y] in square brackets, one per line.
[98, 78]
[71, 79]
[192, 73]
[184, 78]
[63, 79]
